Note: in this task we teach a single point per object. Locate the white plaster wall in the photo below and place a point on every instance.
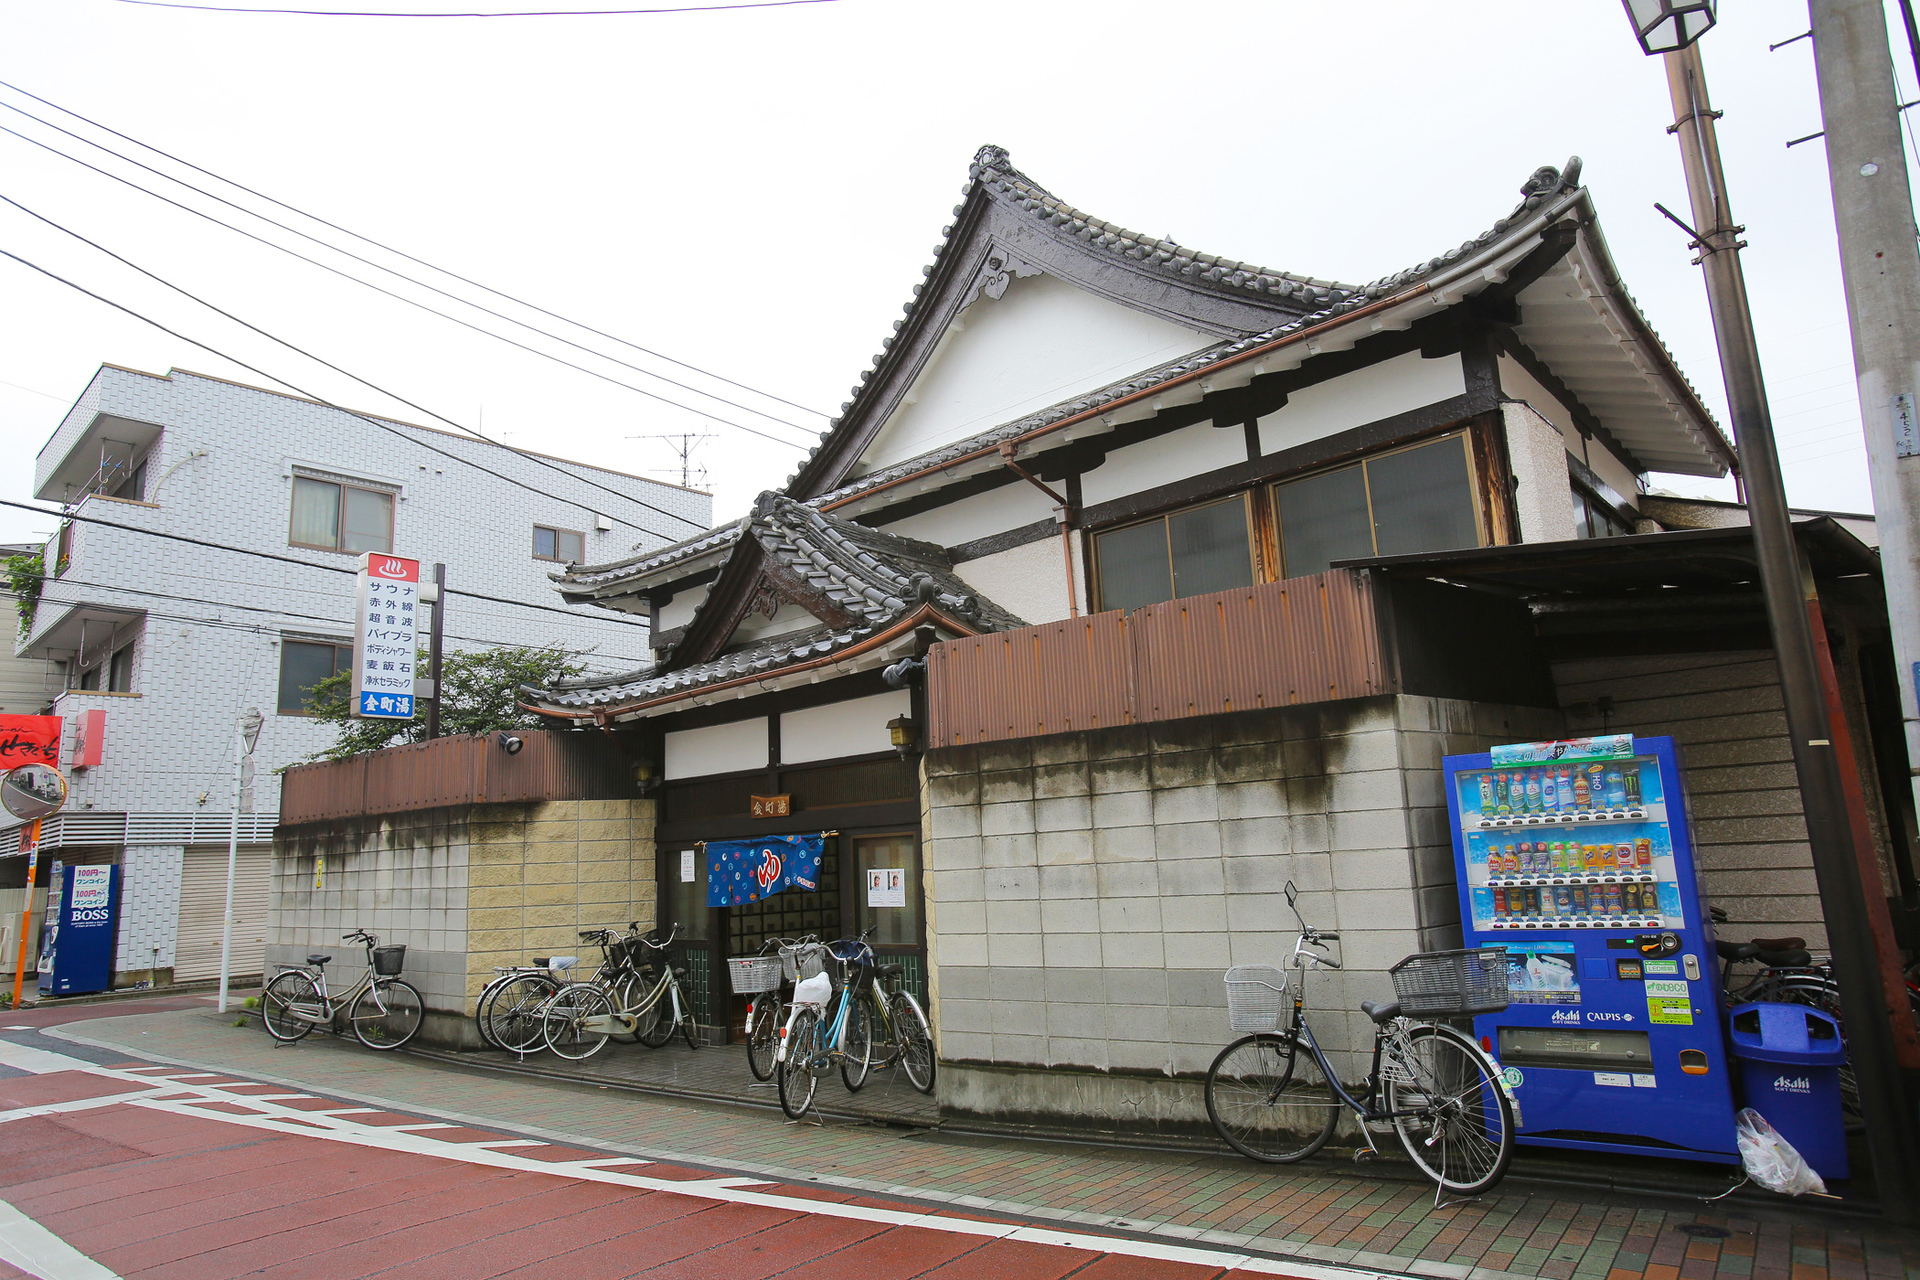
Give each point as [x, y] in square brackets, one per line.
[1614, 472]
[1190, 451]
[1030, 581]
[1041, 342]
[679, 611]
[984, 514]
[1518, 384]
[856, 727]
[1543, 498]
[719, 748]
[1366, 395]
[788, 619]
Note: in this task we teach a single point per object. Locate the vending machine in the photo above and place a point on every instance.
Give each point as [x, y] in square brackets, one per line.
[76, 947]
[1577, 857]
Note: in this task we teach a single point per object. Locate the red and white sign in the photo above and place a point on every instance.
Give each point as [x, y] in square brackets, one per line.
[89, 739]
[386, 601]
[30, 740]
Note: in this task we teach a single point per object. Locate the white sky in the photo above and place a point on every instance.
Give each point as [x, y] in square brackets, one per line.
[756, 192]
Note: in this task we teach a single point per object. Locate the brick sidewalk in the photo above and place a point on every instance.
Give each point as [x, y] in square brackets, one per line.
[1318, 1214]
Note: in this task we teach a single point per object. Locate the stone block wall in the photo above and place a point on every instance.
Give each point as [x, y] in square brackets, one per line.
[465, 889]
[1087, 891]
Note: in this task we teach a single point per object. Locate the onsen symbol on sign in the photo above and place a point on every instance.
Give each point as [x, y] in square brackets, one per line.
[769, 869]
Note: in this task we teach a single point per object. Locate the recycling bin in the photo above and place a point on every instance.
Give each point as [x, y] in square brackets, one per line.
[1789, 1058]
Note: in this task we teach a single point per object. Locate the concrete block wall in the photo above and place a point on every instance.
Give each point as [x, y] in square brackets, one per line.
[1088, 891]
[1724, 709]
[465, 889]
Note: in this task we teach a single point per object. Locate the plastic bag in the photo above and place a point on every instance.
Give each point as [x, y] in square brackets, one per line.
[1770, 1159]
[819, 988]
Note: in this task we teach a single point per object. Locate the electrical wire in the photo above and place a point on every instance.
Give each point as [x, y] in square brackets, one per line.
[400, 253]
[362, 381]
[387, 427]
[368, 284]
[292, 560]
[527, 13]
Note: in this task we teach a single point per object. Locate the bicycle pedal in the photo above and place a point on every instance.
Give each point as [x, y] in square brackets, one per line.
[1364, 1155]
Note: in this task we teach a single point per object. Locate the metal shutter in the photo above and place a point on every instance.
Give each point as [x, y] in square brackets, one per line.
[203, 896]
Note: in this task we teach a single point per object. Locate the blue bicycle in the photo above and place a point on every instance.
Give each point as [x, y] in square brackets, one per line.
[814, 1039]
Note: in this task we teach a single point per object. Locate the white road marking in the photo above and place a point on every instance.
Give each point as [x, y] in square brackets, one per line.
[402, 1128]
[514, 1142]
[24, 1057]
[79, 1104]
[29, 1246]
[19, 1028]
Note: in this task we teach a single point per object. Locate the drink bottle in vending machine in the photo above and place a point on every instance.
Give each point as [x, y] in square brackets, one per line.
[1612, 1041]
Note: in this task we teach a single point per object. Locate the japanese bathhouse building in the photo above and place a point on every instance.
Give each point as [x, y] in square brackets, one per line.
[1053, 620]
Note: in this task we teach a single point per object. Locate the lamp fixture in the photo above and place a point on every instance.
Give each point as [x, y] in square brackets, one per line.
[510, 744]
[1667, 26]
[903, 733]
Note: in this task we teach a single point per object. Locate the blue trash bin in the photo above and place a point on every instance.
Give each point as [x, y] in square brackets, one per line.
[1790, 1058]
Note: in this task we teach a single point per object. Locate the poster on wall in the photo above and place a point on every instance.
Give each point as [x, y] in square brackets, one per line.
[887, 887]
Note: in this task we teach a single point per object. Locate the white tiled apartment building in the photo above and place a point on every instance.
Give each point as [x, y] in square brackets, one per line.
[173, 640]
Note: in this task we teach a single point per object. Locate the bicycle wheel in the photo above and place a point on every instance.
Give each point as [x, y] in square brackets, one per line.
[1270, 1101]
[629, 993]
[805, 1054]
[571, 1029]
[913, 1040]
[656, 1023]
[689, 1029]
[1457, 1123]
[857, 1046]
[387, 1014]
[480, 1003]
[291, 989]
[513, 1015]
[765, 1016]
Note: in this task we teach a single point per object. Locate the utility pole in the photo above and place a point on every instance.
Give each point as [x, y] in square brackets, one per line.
[248, 734]
[1890, 1122]
[433, 649]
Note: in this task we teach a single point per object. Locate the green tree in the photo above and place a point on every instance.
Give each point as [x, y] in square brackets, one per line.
[477, 689]
[24, 576]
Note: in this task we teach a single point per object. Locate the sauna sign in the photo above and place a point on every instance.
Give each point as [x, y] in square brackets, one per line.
[386, 601]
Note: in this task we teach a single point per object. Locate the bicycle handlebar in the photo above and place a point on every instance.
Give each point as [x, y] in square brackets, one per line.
[360, 935]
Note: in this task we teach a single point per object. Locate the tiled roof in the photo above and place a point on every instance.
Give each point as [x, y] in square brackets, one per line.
[587, 576]
[876, 578]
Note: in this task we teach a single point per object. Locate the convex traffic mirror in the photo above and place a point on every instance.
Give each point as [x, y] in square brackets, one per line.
[33, 791]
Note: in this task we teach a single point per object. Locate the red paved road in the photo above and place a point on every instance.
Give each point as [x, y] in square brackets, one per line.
[163, 1173]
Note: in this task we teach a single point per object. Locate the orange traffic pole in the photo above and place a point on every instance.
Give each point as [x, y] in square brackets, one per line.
[31, 834]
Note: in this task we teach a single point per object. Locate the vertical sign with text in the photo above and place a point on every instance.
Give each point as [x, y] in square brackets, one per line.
[386, 598]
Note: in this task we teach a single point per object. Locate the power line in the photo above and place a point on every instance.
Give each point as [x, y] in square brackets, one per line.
[498, 337]
[535, 458]
[292, 560]
[240, 186]
[387, 427]
[528, 13]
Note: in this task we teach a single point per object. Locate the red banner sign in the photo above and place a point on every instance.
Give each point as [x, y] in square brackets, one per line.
[29, 740]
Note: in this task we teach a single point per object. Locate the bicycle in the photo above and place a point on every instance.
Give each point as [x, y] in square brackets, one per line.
[903, 1034]
[508, 1012]
[383, 1011]
[763, 977]
[810, 1043]
[1273, 1096]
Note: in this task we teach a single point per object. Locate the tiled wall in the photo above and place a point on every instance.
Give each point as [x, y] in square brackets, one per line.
[1087, 891]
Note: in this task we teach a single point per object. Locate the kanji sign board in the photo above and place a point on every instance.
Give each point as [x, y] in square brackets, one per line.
[386, 599]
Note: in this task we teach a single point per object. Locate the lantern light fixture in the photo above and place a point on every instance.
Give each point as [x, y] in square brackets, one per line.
[1667, 26]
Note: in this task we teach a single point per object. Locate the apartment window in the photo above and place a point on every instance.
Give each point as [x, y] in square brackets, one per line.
[90, 678]
[120, 670]
[1593, 518]
[563, 545]
[1187, 553]
[1399, 503]
[304, 664]
[340, 517]
[134, 486]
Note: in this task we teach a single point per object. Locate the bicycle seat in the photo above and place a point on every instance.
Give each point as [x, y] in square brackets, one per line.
[1781, 944]
[887, 971]
[680, 971]
[562, 962]
[1761, 949]
[318, 959]
[1381, 1010]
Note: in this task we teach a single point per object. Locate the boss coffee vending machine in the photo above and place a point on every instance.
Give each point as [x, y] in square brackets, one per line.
[1577, 857]
[76, 947]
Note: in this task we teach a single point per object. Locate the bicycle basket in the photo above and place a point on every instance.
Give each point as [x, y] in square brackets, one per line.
[1256, 998]
[387, 961]
[753, 974]
[1452, 982]
[808, 960]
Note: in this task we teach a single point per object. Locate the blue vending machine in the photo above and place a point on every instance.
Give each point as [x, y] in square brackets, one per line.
[76, 949]
[1577, 857]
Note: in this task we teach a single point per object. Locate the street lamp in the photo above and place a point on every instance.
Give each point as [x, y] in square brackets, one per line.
[1670, 29]
[249, 737]
[1663, 26]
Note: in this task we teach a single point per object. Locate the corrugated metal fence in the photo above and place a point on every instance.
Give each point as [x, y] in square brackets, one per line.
[1309, 639]
[468, 769]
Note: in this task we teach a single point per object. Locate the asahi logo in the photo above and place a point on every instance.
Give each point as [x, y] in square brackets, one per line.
[1567, 1015]
[1792, 1084]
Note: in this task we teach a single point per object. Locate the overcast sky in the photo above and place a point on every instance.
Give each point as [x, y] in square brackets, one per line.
[755, 192]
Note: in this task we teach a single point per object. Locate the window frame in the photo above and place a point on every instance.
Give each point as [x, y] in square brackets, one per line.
[1464, 435]
[1254, 566]
[339, 665]
[115, 669]
[557, 533]
[341, 485]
